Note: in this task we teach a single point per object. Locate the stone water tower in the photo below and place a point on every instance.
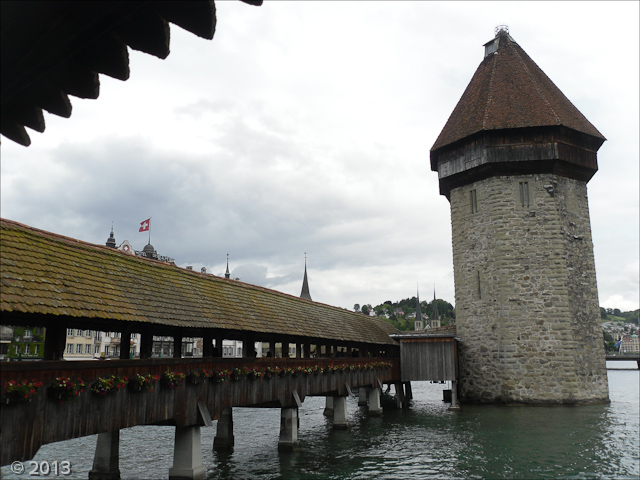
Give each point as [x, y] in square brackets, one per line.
[514, 160]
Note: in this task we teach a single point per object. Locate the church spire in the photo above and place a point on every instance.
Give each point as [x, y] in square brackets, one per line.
[227, 274]
[418, 324]
[435, 316]
[305, 283]
[434, 311]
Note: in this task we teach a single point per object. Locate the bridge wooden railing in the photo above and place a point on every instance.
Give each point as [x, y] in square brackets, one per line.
[43, 419]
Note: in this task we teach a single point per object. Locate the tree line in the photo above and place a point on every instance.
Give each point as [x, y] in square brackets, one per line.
[401, 314]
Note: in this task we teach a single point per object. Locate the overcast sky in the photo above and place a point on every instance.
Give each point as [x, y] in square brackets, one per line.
[306, 127]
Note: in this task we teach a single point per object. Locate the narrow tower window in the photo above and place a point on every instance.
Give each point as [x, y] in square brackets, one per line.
[524, 194]
[473, 201]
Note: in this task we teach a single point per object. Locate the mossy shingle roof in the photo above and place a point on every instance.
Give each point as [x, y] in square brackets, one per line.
[49, 275]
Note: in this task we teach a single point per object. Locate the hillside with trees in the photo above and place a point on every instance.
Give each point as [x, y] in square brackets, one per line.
[401, 314]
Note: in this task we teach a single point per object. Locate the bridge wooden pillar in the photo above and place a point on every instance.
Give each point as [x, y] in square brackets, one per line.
[248, 346]
[288, 429]
[125, 344]
[219, 350]
[146, 345]
[401, 399]
[207, 345]
[224, 431]
[328, 407]
[307, 350]
[285, 348]
[55, 339]
[455, 406]
[407, 391]
[375, 407]
[106, 462]
[187, 455]
[340, 414]
[362, 396]
[299, 350]
[177, 346]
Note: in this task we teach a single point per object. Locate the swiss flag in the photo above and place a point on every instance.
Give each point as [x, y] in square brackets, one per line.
[144, 226]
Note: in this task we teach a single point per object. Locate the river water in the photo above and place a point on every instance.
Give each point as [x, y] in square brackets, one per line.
[425, 441]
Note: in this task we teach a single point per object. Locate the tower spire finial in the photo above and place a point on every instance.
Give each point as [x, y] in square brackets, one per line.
[111, 241]
[501, 28]
[227, 274]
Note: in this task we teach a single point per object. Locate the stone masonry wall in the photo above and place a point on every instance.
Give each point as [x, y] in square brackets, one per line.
[526, 297]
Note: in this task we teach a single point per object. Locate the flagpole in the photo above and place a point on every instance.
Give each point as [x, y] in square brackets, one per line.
[149, 230]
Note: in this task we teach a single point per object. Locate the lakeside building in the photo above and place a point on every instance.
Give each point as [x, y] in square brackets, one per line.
[629, 344]
[21, 343]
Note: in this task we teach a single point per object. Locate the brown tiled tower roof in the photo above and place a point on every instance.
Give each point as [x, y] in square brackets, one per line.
[513, 120]
[508, 90]
[47, 277]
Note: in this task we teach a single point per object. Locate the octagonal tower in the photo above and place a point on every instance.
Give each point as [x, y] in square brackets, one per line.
[514, 160]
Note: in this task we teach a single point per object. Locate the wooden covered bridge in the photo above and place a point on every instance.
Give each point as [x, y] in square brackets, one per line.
[60, 283]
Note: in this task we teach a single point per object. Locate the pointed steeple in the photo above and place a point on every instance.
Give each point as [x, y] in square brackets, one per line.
[111, 241]
[418, 324]
[305, 283]
[227, 274]
[435, 316]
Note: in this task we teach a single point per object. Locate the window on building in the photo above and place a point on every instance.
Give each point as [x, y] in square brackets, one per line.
[35, 350]
[88, 333]
[473, 201]
[27, 333]
[96, 349]
[78, 333]
[69, 332]
[27, 349]
[17, 349]
[79, 348]
[87, 349]
[524, 194]
[98, 335]
[69, 347]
